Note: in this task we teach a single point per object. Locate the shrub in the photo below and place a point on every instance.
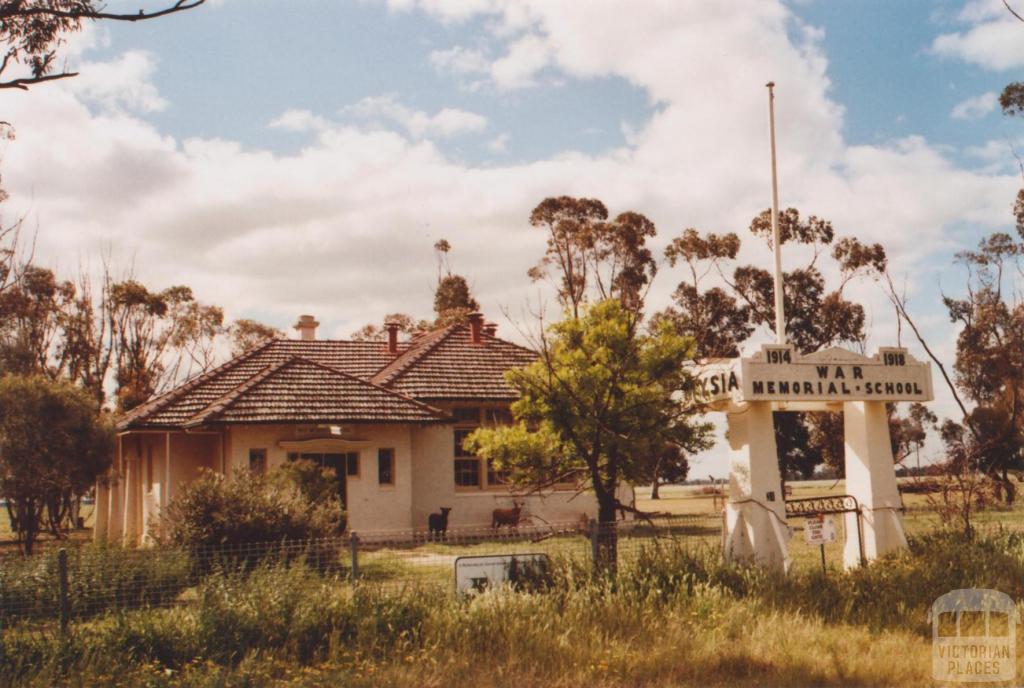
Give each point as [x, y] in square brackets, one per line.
[218, 516]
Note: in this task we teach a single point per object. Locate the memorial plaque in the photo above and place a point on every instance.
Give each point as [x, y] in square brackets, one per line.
[779, 373]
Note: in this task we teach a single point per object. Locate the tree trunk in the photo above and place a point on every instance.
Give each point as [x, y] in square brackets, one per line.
[1010, 492]
[654, 488]
[606, 554]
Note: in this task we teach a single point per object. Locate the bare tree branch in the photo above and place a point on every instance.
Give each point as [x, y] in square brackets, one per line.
[1011, 10]
[14, 9]
[24, 82]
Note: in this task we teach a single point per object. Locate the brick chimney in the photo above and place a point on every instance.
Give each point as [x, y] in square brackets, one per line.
[491, 329]
[476, 323]
[307, 327]
[392, 328]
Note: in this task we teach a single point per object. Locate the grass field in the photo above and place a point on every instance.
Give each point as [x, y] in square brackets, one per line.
[676, 615]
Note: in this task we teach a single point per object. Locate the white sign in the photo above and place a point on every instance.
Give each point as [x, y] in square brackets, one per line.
[475, 574]
[779, 373]
[819, 530]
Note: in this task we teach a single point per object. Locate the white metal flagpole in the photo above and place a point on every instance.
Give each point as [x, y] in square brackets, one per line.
[780, 315]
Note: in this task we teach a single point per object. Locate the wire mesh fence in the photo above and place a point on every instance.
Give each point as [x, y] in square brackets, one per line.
[58, 586]
[74, 583]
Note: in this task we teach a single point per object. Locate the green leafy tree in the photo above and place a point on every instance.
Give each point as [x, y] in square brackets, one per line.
[721, 318]
[32, 316]
[989, 367]
[592, 258]
[248, 334]
[595, 408]
[670, 467]
[407, 325]
[53, 446]
[453, 300]
[157, 338]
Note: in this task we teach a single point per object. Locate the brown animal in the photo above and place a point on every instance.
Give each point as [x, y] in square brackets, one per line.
[506, 517]
[438, 523]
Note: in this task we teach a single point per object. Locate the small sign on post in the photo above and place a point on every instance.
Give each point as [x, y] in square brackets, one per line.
[820, 529]
[476, 574]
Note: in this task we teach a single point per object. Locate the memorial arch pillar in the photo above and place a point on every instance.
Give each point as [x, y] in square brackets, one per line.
[778, 378]
[755, 515]
[871, 478]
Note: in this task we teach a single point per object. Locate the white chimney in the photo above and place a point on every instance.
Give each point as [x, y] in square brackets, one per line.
[307, 327]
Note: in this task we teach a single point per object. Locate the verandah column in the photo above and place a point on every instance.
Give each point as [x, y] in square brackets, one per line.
[755, 514]
[871, 478]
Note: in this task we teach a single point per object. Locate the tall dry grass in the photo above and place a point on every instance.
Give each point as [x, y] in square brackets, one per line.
[675, 617]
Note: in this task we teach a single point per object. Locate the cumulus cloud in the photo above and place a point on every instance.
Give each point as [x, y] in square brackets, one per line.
[460, 60]
[124, 83]
[975, 107]
[499, 144]
[445, 123]
[299, 121]
[344, 227]
[992, 39]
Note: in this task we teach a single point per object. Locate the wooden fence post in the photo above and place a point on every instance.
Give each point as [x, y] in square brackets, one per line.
[353, 542]
[62, 591]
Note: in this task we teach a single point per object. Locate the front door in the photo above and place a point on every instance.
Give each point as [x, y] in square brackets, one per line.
[342, 464]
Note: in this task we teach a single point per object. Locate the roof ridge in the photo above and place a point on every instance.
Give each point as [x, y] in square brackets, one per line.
[162, 401]
[224, 401]
[385, 377]
[507, 342]
[370, 383]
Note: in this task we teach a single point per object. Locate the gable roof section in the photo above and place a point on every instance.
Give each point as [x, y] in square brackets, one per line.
[440, 365]
[447, 365]
[360, 359]
[299, 390]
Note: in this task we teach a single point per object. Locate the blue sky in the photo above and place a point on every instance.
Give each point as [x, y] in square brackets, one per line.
[296, 156]
[229, 70]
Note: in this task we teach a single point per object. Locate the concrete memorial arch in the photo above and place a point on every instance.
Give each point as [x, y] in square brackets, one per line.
[777, 378]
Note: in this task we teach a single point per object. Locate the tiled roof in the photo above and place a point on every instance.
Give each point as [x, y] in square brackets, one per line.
[447, 365]
[440, 365]
[299, 390]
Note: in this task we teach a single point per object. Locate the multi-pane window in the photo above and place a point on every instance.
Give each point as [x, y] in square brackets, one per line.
[258, 461]
[386, 466]
[467, 472]
[495, 476]
[497, 416]
[466, 416]
[460, 436]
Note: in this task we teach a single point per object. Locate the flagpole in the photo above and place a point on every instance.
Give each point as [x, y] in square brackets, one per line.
[780, 316]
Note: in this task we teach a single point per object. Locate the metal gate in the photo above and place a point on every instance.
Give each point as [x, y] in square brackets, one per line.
[836, 504]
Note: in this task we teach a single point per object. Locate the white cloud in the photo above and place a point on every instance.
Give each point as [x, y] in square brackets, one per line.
[446, 123]
[122, 83]
[993, 39]
[460, 61]
[519, 67]
[499, 144]
[975, 107]
[299, 121]
[344, 227]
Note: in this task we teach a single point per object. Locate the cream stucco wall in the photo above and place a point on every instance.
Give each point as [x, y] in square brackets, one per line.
[145, 478]
[370, 505]
[434, 487]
